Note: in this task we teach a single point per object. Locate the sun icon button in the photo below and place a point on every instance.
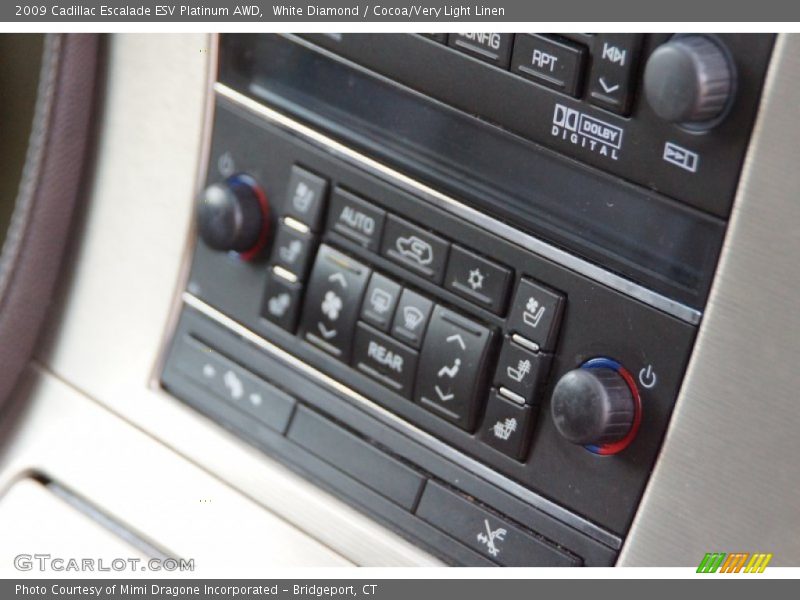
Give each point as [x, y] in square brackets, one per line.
[475, 279]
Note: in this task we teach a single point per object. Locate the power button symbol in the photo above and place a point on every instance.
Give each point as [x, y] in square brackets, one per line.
[647, 377]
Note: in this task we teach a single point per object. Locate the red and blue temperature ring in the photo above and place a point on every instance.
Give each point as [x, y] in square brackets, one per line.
[243, 179]
[619, 445]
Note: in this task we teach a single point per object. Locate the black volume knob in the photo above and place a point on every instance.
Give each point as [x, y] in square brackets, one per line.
[231, 215]
[689, 80]
[592, 406]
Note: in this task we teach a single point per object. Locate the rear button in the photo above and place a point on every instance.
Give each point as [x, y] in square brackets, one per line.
[383, 359]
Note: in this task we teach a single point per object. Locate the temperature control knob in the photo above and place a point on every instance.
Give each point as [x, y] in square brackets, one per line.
[689, 80]
[232, 215]
[592, 406]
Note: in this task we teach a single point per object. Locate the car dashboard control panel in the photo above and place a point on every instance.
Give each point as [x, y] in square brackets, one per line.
[409, 287]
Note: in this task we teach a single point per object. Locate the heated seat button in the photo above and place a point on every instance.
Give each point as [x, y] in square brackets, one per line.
[380, 301]
[536, 313]
[292, 250]
[411, 318]
[453, 363]
[552, 62]
[521, 370]
[333, 299]
[494, 537]
[507, 426]
[282, 301]
[356, 219]
[383, 359]
[477, 279]
[415, 248]
[494, 48]
[305, 197]
[613, 61]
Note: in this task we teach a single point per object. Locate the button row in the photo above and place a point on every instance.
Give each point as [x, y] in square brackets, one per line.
[560, 62]
[461, 271]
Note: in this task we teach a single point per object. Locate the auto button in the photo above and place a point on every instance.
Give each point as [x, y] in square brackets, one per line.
[452, 367]
[333, 300]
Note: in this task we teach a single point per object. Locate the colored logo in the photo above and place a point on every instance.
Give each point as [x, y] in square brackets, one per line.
[736, 562]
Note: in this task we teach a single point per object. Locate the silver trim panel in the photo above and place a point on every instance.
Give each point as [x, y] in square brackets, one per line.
[727, 478]
[440, 200]
[539, 502]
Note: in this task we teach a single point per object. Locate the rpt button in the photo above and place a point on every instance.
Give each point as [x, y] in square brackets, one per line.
[333, 300]
[555, 63]
[453, 363]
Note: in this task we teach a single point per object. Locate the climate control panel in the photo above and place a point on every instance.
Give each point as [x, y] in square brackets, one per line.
[384, 340]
